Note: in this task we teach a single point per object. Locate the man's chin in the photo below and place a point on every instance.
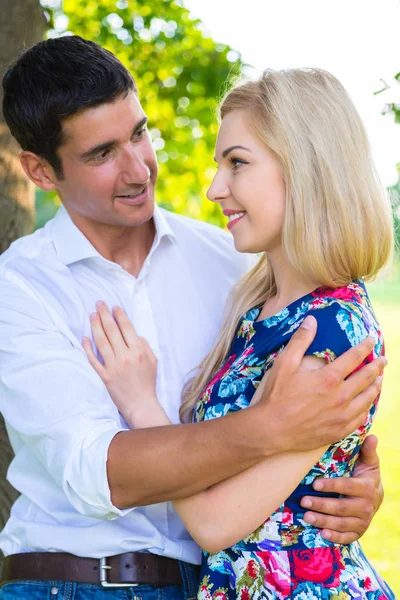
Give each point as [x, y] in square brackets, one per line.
[137, 215]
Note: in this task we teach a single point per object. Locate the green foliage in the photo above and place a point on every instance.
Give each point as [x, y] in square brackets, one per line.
[392, 107]
[46, 204]
[394, 192]
[180, 71]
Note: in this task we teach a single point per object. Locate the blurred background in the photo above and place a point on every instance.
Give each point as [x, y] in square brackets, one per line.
[183, 54]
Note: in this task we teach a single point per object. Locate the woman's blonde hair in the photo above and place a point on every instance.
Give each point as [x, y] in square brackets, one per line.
[338, 220]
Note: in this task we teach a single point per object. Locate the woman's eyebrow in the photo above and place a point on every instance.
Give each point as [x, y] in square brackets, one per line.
[225, 152]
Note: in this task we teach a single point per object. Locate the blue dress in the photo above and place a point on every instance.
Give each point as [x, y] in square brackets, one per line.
[285, 557]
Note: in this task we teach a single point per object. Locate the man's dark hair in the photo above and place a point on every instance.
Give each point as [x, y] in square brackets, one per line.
[53, 80]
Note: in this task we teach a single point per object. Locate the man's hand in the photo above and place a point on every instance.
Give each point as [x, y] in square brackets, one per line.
[312, 409]
[344, 520]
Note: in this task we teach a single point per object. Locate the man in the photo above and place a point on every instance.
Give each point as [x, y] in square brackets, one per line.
[93, 509]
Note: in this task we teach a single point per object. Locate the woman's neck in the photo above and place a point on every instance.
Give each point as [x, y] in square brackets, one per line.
[290, 285]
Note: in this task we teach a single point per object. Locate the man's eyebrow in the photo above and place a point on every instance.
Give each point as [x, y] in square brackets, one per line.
[226, 152]
[99, 148]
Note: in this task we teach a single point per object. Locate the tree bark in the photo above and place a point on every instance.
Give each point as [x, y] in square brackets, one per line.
[22, 24]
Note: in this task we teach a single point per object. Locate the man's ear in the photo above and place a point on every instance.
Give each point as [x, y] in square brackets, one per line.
[38, 170]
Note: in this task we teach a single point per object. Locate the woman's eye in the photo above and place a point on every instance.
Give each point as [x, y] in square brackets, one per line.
[236, 162]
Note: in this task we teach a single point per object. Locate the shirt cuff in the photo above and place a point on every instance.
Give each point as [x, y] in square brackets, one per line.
[85, 480]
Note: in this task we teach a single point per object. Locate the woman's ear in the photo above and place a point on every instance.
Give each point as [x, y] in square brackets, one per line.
[38, 170]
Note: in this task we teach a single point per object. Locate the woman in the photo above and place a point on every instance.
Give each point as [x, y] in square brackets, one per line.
[296, 180]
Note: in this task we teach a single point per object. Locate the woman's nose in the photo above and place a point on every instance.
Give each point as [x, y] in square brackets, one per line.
[218, 190]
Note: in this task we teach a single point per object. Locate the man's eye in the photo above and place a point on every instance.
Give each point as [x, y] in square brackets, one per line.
[102, 155]
[140, 133]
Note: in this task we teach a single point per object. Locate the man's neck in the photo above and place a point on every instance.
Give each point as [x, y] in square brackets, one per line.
[126, 246]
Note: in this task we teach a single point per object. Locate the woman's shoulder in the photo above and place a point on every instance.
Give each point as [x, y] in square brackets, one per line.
[344, 318]
[349, 301]
[353, 294]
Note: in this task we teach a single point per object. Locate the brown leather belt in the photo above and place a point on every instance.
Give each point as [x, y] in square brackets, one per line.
[123, 570]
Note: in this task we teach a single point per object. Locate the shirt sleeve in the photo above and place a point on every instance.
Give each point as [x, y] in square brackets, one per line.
[55, 402]
[339, 327]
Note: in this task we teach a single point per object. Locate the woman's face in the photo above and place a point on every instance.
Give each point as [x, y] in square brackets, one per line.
[248, 185]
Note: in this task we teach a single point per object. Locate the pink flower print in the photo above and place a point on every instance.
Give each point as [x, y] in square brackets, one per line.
[277, 574]
[346, 293]
[218, 375]
[317, 565]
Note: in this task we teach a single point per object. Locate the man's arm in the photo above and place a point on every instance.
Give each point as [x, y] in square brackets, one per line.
[153, 465]
[60, 408]
[207, 513]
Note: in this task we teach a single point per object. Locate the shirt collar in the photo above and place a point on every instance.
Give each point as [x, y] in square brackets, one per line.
[72, 245]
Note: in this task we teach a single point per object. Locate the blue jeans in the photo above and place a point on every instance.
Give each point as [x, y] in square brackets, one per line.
[57, 590]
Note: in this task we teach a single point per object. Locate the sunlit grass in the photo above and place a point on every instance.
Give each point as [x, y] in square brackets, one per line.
[382, 541]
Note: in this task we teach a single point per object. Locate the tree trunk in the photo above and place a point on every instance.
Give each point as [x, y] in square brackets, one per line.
[22, 24]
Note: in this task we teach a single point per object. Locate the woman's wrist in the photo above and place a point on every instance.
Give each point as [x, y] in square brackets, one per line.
[148, 413]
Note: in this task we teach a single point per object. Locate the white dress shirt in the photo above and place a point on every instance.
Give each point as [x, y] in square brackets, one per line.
[59, 415]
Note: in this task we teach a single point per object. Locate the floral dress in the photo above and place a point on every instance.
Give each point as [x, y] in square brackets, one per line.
[285, 557]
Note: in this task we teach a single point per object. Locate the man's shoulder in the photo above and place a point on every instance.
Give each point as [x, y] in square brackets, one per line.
[27, 250]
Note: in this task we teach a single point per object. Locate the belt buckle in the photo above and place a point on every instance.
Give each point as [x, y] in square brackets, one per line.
[104, 567]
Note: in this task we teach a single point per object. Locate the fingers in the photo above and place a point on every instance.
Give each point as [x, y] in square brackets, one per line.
[359, 406]
[110, 330]
[92, 358]
[364, 377]
[294, 352]
[338, 524]
[354, 410]
[351, 359]
[342, 529]
[341, 538]
[336, 507]
[102, 342]
[125, 325]
[368, 454]
[356, 487]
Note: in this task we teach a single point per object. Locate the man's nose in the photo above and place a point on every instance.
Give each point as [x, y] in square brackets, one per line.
[133, 167]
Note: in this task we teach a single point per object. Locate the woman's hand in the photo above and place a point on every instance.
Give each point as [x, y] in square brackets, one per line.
[130, 367]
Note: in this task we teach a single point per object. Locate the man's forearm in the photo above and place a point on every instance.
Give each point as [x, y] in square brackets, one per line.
[147, 466]
[169, 463]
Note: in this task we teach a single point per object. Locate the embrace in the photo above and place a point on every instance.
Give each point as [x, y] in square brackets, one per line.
[188, 407]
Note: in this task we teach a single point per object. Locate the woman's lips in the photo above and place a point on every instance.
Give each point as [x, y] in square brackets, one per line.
[233, 222]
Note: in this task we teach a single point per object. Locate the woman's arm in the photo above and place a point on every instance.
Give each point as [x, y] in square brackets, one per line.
[232, 509]
[125, 373]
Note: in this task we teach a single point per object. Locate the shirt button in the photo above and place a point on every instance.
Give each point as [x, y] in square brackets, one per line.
[54, 591]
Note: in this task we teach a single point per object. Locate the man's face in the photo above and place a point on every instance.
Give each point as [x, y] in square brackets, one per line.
[109, 165]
